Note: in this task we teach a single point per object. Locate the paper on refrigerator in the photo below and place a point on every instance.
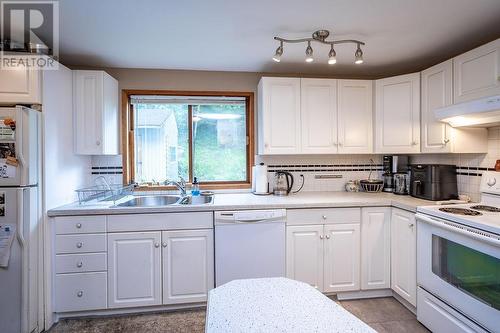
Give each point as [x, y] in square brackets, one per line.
[7, 233]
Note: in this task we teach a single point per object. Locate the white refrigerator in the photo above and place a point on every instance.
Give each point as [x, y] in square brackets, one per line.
[20, 215]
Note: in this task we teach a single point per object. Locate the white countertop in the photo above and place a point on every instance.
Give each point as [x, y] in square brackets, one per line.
[240, 201]
[276, 305]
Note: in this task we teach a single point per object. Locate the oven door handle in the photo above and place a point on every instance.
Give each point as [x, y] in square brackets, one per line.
[463, 230]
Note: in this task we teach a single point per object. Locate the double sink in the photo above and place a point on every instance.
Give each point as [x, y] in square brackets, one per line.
[166, 200]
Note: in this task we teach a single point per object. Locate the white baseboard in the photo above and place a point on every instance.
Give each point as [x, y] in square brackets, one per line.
[348, 295]
[405, 303]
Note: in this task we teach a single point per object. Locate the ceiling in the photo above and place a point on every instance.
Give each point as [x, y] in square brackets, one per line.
[236, 35]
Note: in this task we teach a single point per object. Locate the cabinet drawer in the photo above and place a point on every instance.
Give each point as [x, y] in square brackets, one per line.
[323, 216]
[80, 243]
[78, 263]
[80, 224]
[82, 291]
[154, 222]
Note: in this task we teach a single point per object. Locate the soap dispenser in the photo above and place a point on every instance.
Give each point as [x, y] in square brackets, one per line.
[195, 189]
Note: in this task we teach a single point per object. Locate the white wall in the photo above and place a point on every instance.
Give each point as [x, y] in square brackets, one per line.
[63, 170]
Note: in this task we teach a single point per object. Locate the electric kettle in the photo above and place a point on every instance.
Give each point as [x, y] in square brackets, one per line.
[283, 182]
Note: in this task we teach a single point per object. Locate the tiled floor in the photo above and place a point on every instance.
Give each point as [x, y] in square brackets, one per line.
[383, 314]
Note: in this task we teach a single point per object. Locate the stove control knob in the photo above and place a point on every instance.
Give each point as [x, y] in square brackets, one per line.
[491, 182]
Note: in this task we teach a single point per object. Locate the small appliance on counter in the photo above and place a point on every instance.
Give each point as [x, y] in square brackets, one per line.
[433, 181]
[283, 183]
[260, 185]
[401, 181]
[393, 164]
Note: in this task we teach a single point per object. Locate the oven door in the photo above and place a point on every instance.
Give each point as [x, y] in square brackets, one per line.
[460, 266]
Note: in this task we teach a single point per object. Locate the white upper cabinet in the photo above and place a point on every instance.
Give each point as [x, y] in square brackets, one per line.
[318, 116]
[437, 136]
[397, 114]
[477, 73]
[279, 116]
[375, 248]
[21, 86]
[437, 91]
[355, 116]
[96, 112]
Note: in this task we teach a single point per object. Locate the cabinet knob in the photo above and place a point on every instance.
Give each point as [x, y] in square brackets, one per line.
[411, 225]
[340, 144]
[164, 244]
[327, 236]
[98, 142]
[157, 244]
[414, 143]
[320, 236]
[79, 245]
[335, 144]
[79, 294]
[324, 217]
[445, 141]
[78, 225]
[79, 265]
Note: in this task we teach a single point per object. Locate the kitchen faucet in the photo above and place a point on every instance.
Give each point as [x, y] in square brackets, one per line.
[181, 185]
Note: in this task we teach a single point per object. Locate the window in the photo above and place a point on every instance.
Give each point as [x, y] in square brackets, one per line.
[208, 136]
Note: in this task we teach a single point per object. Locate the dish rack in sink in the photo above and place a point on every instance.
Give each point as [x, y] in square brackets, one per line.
[103, 191]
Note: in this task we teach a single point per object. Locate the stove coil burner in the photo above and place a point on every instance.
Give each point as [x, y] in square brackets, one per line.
[461, 211]
[490, 209]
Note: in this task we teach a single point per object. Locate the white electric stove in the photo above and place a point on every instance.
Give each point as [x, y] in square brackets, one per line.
[458, 263]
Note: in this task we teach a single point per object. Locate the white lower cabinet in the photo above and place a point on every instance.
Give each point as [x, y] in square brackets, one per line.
[375, 248]
[188, 265]
[134, 269]
[80, 292]
[404, 255]
[324, 256]
[341, 258]
[304, 254]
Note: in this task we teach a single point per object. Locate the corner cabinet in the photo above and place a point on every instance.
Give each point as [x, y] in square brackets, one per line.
[477, 73]
[21, 86]
[397, 114]
[95, 107]
[437, 136]
[279, 116]
[404, 255]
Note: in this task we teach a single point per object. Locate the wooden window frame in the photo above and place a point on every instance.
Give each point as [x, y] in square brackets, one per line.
[127, 130]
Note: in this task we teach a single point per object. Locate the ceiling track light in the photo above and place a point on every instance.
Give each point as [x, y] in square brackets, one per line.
[320, 36]
[309, 53]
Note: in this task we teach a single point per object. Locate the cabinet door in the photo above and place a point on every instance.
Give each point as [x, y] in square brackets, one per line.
[477, 73]
[397, 114]
[88, 97]
[355, 116]
[342, 257]
[134, 269]
[279, 115]
[375, 248]
[437, 92]
[304, 254]
[188, 265]
[403, 255]
[21, 86]
[318, 99]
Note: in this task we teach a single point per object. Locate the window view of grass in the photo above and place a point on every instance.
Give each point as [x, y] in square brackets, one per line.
[218, 142]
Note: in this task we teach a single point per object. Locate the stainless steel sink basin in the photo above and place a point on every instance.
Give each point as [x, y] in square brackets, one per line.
[151, 201]
[197, 200]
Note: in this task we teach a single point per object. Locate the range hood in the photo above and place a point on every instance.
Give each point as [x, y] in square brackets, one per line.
[483, 112]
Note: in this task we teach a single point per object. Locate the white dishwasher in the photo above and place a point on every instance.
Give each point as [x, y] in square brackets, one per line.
[249, 244]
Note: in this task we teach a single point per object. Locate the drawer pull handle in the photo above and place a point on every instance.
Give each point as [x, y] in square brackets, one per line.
[79, 294]
[164, 244]
[78, 225]
[324, 217]
[79, 245]
[320, 236]
[79, 265]
[157, 244]
[327, 236]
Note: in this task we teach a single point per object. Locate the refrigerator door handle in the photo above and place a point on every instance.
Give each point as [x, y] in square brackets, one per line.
[24, 264]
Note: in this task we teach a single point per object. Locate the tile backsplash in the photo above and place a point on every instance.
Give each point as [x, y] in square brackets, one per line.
[469, 167]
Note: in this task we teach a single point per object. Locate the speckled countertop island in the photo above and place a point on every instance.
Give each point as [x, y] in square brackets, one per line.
[239, 201]
[276, 305]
